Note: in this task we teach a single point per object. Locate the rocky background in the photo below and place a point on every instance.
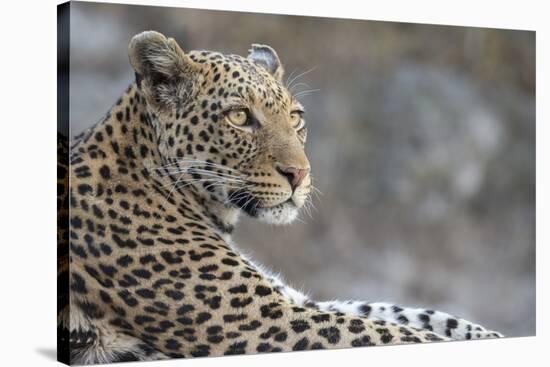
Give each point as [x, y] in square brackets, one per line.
[421, 139]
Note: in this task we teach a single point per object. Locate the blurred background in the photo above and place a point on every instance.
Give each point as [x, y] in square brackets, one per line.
[421, 139]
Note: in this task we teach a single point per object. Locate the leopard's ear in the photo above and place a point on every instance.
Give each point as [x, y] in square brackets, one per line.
[163, 71]
[266, 57]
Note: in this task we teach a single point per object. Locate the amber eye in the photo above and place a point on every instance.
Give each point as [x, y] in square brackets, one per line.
[237, 117]
[297, 120]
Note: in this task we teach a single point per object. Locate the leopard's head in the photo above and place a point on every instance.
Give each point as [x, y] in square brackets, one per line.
[227, 126]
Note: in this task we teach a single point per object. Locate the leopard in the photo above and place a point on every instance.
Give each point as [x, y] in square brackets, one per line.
[155, 190]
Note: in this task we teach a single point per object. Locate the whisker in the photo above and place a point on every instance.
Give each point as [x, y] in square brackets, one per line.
[247, 202]
[300, 75]
[202, 165]
[205, 180]
[300, 219]
[315, 188]
[179, 159]
[237, 195]
[207, 173]
[297, 85]
[222, 184]
[164, 171]
[236, 185]
[192, 169]
[311, 205]
[256, 204]
[305, 92]
[290, 76]
[213, 179]
[173, 188]
[192, 180]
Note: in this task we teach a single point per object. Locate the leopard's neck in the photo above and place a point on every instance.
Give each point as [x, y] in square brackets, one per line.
[128, 138]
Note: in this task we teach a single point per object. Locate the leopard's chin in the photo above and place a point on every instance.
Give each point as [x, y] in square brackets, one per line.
[281, 214]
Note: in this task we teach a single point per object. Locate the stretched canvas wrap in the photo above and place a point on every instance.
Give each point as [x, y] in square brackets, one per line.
[240, 183]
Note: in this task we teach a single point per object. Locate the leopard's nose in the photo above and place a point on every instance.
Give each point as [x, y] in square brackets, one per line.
[294, 175]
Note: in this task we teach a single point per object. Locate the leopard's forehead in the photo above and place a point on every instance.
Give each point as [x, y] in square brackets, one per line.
[236, 78]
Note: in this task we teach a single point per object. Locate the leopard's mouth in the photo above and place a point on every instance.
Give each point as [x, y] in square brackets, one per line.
[281, 213]
[245, 201]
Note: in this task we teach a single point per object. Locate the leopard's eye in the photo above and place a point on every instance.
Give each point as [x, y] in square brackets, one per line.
[297, 120]
[237, 117]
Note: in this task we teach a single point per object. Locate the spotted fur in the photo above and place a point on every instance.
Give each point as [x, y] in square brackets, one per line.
[156, 189]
